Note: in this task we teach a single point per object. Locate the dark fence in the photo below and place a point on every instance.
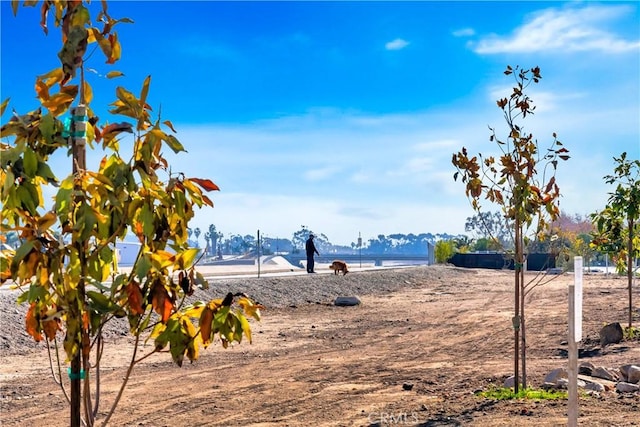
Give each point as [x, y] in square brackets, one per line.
[498, 261]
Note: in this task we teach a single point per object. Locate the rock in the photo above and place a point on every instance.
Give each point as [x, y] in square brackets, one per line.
[555, 375]
[611, 334]
[509, 382]
[633, 376]
[630, 373]
[586, 368]
[608, 385]
[623, 387]
[604, 373]
[594, 386]
[346, 301]
[407, 386]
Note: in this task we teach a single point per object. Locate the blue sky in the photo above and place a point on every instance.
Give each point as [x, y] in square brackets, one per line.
[343, 116]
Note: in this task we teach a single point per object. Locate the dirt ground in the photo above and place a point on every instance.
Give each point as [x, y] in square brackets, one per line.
[411, 357]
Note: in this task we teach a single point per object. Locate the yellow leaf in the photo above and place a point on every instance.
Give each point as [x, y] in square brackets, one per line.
[46, 221]
[185, 259]
[104, 44]
[4, 106]
[145, 91]
[162, 259]
[250, 308]
[246, 328]
[114, 74]
[88, 93]
[58, 103]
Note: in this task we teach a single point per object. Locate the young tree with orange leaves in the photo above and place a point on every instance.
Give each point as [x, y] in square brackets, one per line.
[527, 196]
[65, 265]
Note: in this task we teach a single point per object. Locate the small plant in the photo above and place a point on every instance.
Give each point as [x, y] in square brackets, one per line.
[631, 333]
[507, 393]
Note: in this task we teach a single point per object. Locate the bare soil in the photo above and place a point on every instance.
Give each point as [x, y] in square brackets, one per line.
[415, 352]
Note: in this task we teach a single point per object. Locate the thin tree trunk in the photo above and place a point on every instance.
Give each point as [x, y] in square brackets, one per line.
[523, 331]
[516, 317]
[630, 271]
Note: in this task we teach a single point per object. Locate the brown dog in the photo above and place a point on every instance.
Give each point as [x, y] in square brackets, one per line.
[338, 265]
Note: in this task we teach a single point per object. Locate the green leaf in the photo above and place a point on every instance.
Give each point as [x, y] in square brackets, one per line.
[30, 163]
[9, 182]
[46, 127]
[23, 251]
[101, 303]
[63, 197]
[143, 266]
[45, 172]
[25, 193]
[173, 143]
[146, 218]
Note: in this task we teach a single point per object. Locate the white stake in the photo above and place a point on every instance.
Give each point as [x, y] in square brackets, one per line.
[575, 336]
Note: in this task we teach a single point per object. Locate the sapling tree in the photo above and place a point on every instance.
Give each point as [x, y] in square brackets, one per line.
[618, 225]
[521, 181]
[64, 264]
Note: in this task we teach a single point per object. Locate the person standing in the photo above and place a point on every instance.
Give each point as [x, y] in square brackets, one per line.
[311, 249]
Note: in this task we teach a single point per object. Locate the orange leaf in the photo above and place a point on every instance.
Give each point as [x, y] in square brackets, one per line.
[115, 49]
[111, 131]
[206, 318]
[32, 323]
[168, 123]
[207, 201]
[206, 184]
[161, 302]
[42, 90]
[50, 328]
[134, 296]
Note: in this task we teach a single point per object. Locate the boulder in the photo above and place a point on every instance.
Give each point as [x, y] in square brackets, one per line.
[611, 334]
[594, 386]
[346, 301]
[630, 373]
[623, 387]
[606, 374]
[586, 368]
[553, 376]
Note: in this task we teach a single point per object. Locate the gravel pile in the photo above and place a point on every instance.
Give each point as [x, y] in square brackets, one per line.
[272, 292]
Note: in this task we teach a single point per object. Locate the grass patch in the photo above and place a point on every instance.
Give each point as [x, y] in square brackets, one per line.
[631, 333]
[506, 393]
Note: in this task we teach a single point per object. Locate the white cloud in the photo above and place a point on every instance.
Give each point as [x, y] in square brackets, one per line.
[344, 172]
[464, 32]
[562, 30]
[320, 173]
[396, 44]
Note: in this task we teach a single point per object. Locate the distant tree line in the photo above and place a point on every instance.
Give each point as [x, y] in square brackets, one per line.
[217, 244]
